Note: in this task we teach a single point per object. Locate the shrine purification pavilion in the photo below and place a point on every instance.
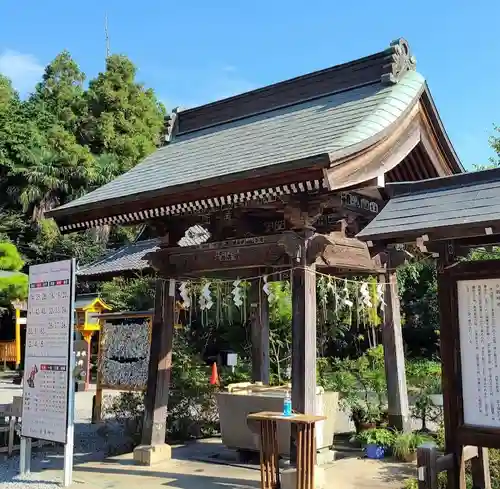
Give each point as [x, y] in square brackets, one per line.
[280, 178]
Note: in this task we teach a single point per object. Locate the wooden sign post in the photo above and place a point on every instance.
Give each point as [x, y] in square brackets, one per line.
[470, 351]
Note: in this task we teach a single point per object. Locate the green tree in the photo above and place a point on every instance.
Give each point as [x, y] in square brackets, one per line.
[52, 167]
[495, 146]
[124, 119]
[135, 294]
[13, 283]
[48, 244]
[18, 133]
[59, 97]
[50, 175]
[45, 160]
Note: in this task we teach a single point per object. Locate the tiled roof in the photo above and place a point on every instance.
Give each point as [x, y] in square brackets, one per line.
[325, 125]
[418, 208]
[84, 300]
[131, 257]
[127, 258]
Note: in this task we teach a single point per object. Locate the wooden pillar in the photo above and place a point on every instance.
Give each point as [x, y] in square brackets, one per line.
[259, 324]
[18, 338]
[450, 356]
[392, 339]
[87, 336]
[480, 468]
[160, 364]
[304, 330]
[303, 334]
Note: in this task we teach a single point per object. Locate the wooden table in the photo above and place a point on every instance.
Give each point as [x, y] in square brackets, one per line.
[269, 455]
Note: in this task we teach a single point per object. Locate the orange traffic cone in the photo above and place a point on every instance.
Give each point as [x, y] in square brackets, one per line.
[214, 378]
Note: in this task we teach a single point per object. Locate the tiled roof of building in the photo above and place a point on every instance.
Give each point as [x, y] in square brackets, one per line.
[462, 201]
[131, 258]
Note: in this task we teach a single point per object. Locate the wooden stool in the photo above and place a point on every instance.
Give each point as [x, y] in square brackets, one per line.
[269, 454]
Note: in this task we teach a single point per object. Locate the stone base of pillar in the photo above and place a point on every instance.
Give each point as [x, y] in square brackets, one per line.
[400, 422]
[289, 478]
[325, 456]
[152, 454]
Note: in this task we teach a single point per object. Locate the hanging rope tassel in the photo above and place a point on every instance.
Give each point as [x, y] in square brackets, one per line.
[185, 293]
[347, 300]
[267, 289]
[380, 296]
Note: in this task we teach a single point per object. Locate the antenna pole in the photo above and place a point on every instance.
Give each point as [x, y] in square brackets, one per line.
[106, 34]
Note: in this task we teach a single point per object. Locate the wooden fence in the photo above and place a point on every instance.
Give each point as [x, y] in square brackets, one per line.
[430, 463]
[8, 351]
[10, 416]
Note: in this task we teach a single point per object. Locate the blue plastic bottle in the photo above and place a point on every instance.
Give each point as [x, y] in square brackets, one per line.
[287, 404]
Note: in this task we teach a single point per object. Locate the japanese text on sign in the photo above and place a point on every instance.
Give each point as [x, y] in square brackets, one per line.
[48, 330]
[479, 323]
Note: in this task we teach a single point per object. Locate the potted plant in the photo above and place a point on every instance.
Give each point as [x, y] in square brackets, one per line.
[405, 445]
[358, 415]
[383, 421]
[376, 442]
[364, 417]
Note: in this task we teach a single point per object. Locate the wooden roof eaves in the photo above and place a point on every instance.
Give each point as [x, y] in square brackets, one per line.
[430, 135]
[352, 151]
[247, 180]
[96, 301]
[376, 160]
[443, 183]
[440, 132]
[457, 233]
[436, 185]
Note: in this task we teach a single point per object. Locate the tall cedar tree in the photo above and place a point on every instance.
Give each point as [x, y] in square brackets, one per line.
[124, 120]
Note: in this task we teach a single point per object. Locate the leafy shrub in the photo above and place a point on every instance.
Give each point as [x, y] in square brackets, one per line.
[123, 418]
[407, 443]
[192, 409]
[376, 436]
[356, 380]
[424, 379]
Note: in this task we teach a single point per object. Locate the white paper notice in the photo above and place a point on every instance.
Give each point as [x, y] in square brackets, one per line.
[47, 360]
[479, 323]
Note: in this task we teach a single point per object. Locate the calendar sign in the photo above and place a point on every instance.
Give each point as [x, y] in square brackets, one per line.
[49, 334]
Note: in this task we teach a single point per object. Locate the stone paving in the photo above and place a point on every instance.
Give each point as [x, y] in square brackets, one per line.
[120, 472]
[186, 470]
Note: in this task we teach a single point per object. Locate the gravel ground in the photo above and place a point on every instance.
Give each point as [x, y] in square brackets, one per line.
[89, 445]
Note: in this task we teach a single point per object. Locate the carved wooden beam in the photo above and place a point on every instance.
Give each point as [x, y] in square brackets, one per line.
[302, 211]
[231, 254]
[332, 250]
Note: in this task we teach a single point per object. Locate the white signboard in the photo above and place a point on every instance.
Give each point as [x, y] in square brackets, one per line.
[47, 359]
[479, 323]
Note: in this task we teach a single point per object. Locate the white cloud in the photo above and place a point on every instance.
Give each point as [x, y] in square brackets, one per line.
[23, 69]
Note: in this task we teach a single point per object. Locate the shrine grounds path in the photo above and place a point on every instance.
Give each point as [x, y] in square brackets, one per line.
[193, 465]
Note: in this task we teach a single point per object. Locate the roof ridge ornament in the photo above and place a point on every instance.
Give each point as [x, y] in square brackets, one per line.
[170, 126]
[401, 61]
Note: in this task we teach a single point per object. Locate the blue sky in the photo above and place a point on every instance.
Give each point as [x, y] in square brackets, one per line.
[195, 51]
